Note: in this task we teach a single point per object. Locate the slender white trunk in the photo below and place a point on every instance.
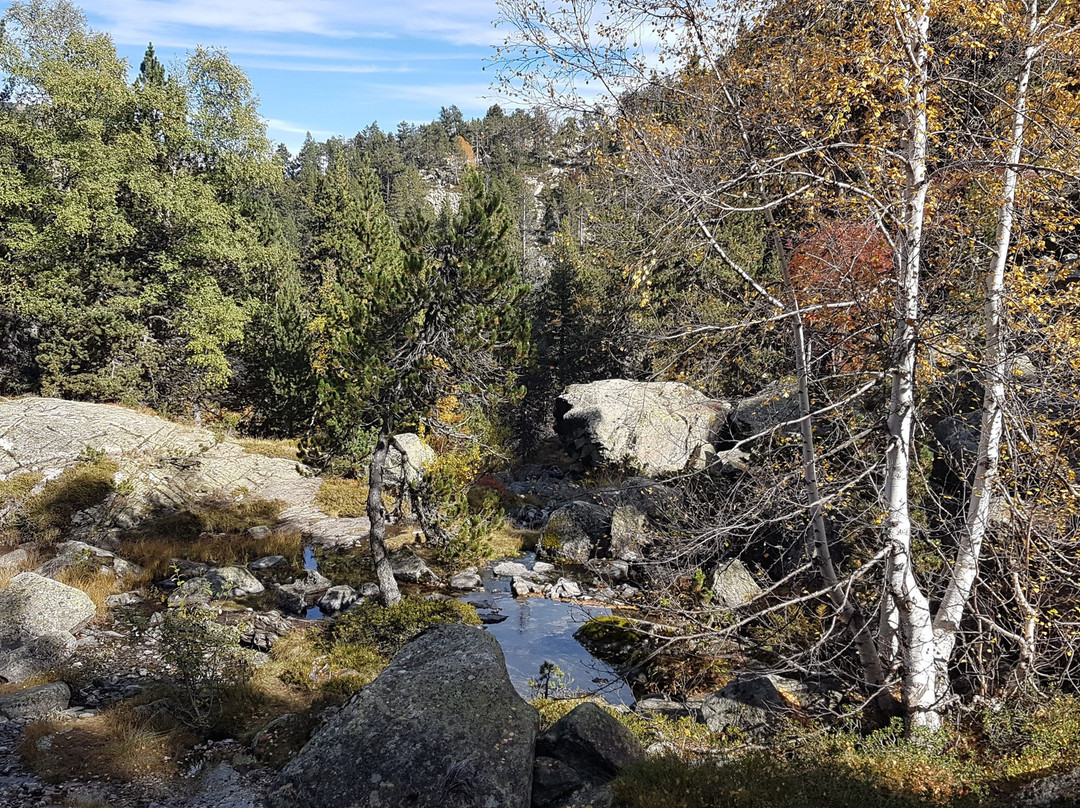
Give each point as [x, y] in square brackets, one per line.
[966, 567]
[911, 603]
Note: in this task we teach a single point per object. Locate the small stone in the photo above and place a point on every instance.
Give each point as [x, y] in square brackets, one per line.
[510, 569]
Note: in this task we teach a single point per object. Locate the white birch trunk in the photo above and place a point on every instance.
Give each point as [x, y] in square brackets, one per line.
[911, 603]
[965, 569]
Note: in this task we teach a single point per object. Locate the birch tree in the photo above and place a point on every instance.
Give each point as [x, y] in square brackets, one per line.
[865, 111]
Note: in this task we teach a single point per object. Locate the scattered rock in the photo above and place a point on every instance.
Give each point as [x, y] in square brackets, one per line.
[654, 427]
[80, 554]
[21, 659]
[553, 780]
[511, 569]
[222, 583]
[756, 703]
[15, 559]
[266, 562]
[527, 517]
[410, 567]
[564, 589]
[592, 743]
[441, 727]
[668, 708]
[262, 629]
[542, 568]
[369, 590]
[776, 404]
[628, 534]
[1055, 791]
[337, 598]
[466, 581]
[123, 599]
[259, 532]
[610, 569]
[33, 605]
[419, 455]
[523, 586]
[574, 531]
[35, 702]
[732, 584]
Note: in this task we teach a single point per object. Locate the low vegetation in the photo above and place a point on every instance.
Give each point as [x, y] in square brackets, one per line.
[212, 532]
[338, 496]
[122, 743]
[284, 448]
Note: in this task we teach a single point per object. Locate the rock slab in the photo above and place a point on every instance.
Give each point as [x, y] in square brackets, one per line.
[441, 727]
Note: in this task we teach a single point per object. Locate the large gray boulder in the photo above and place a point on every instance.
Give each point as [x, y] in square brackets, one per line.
[33, 605]
[651, 427]
[22, 658]
[757, 703]
[400, 470]
[71, 554]
[732, 585]
[441, 727]
[222, 583]
[574, 532]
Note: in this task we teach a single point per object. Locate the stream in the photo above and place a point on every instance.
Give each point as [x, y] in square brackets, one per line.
[535, 630]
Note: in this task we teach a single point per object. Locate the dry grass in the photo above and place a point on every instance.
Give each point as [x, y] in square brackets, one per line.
[32, 562]
[117, 744]
[211, 532]
[95, 583]
[284, 448]
[79, 487]
[341, 497]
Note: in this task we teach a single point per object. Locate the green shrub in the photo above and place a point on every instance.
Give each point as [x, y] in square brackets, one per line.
[207, 660]
[388, 628]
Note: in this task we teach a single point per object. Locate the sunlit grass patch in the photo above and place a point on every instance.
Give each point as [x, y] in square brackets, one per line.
[284, 448]
[96, 584]
[339, 497]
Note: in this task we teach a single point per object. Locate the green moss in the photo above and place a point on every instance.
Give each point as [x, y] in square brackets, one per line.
[550, 541]
[387, 629]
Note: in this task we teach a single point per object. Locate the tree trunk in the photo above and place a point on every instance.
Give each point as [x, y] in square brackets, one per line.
[965, 569]
[377, 516]
[910, 602]
[422, 502]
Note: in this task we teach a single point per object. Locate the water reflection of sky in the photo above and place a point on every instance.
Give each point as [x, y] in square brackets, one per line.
[538, 630]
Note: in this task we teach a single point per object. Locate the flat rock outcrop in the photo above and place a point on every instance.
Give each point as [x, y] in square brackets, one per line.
[650, 427]
[441, 727]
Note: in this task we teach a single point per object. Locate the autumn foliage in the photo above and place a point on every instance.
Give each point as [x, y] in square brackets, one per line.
[840, 273]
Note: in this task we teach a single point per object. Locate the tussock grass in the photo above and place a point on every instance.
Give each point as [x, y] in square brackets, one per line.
[212, 532]
[117, 744]
[95, 583]
[79, 487]
[284, 448]
[341, 497]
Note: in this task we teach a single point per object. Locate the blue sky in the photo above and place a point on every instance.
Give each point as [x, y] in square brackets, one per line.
[328, 66]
